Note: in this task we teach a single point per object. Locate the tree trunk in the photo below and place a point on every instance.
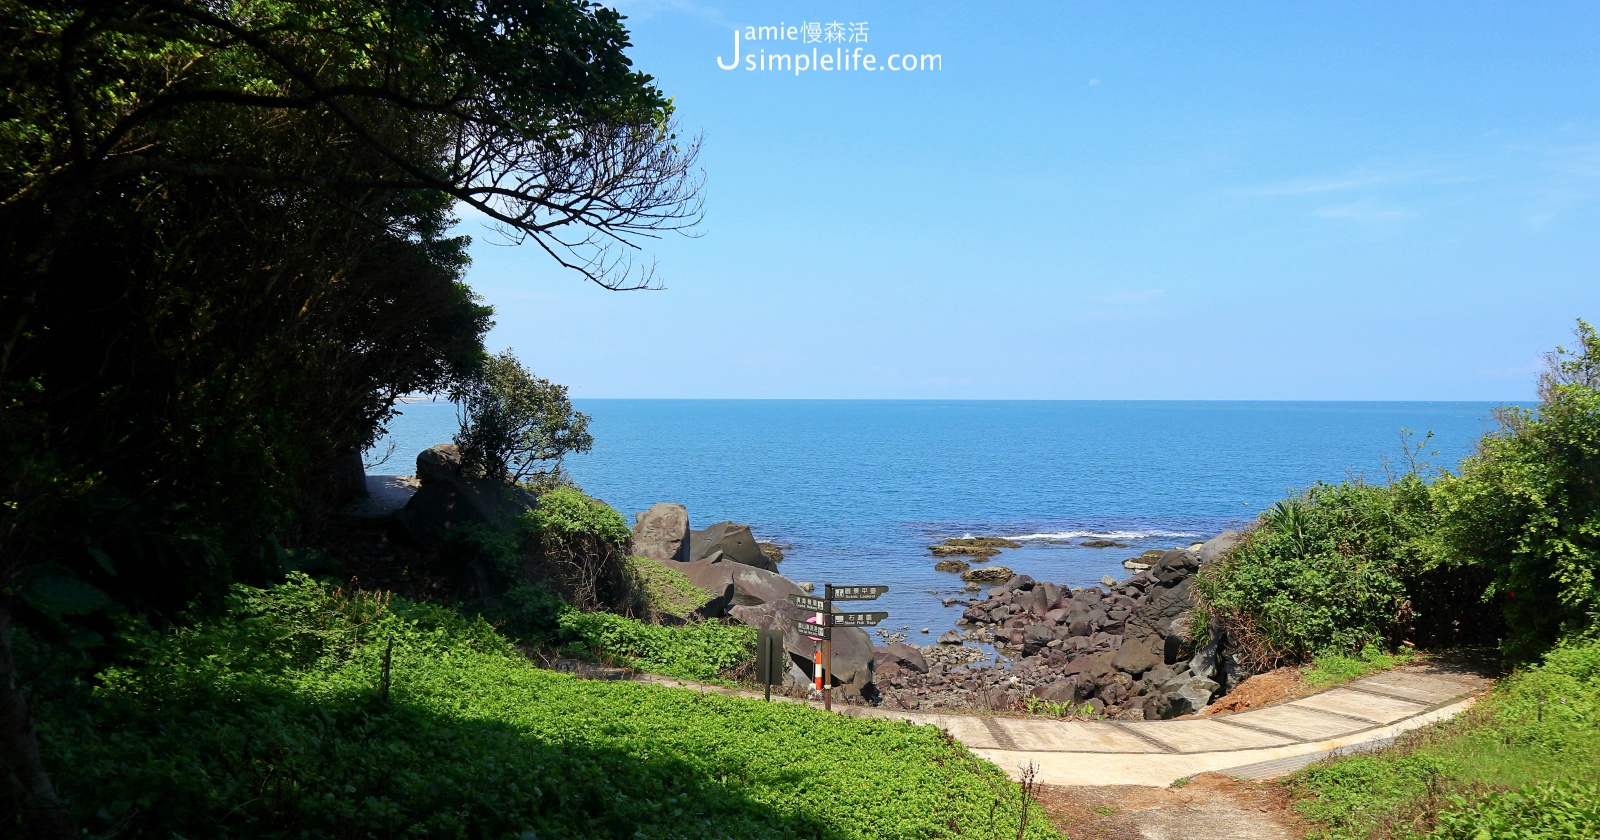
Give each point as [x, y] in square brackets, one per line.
[33, 797]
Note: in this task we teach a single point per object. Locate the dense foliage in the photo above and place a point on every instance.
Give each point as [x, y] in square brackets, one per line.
[581, 545]
[270, 721]
[1526, 506]
[700, 652]
[1326, 570]
[225, 239]
[516, 426]
[1521, 765]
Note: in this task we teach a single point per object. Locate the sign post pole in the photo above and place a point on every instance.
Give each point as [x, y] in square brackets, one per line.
[827, 653]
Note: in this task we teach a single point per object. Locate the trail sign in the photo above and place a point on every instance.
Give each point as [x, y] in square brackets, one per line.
[810, 603]
[856, 593]
[815, 631]
[771, 660]
[866, 619]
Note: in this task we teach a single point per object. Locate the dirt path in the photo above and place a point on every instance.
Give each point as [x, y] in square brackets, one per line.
[1209, 807]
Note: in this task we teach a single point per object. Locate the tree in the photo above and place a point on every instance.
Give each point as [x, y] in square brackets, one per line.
[515, 426]
[1527, 504]
[224, 245]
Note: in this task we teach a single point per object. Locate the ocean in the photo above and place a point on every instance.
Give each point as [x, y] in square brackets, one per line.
[859, 489]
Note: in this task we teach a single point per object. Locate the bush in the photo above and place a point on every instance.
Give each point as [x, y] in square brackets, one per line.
[1526, 507]
[692, 651]
[269, 723]
[660, 590]
[1323, 571]
[582, 545]
[516, 426]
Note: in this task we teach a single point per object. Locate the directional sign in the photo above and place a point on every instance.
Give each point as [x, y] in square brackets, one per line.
[867, 619]
[857, 593]
[809, 603]
[815, 631]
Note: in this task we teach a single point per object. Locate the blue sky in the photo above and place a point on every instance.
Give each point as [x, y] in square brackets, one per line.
[1105, 201]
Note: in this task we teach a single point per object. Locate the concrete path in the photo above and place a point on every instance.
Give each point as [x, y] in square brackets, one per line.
[1256, 743]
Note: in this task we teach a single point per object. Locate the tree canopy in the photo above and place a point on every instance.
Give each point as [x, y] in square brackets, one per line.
[226, 247]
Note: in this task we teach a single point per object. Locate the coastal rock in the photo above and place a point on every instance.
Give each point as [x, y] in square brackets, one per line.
[950, 637]
[1102, 544]
[734, 541]
[1217, 546]
[662, 533]
[905, 655]
[975, 547]
[1135, 659]
[951, 566]
[773, 551]
[852, 648]
[439, 462]
[446, 502]
[991, 574]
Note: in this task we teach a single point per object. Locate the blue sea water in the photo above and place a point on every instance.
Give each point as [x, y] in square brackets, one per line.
[860, 488]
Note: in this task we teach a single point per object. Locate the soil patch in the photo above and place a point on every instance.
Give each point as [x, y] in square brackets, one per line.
[1260, 690]
[1210, 806]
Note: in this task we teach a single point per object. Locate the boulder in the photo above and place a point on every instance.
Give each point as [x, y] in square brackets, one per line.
[447, 501]
[1135, 659]
[735, 584]
[990, 574]
[951, 566]
[1191, 696]
[662, 533]
[852, 648]
[905, 655]
[1218, 545]
[734, 541]
[442, 461]
[950, 637]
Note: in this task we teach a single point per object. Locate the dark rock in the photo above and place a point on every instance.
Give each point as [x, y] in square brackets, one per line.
[439, 462]
[662, 533]
[991, 574]
[444, 504]
[1102, 544]
[1135, 659]
[734, 541]
[906, 656]
[1218, 545]
[951, 566]
[852, 649]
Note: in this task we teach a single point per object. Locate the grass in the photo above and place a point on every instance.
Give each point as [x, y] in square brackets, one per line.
[271, 722]
[1329, 669]
[1521, 758]
[666, 590]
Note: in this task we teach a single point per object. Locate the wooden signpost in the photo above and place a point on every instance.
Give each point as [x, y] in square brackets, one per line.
[819, 626]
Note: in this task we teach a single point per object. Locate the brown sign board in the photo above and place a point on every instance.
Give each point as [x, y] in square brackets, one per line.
[857, 593]
[815, 631]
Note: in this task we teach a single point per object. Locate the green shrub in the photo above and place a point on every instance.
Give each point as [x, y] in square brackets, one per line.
[1545, 811]
[1323, 571]
[268, 723]
[664, 590]
[691, 651]
[582, 546]
[1527, 505]
[498, 552]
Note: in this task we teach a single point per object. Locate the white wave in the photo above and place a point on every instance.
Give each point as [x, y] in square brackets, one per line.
[1101, 535]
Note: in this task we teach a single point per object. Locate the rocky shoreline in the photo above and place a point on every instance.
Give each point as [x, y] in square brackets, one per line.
[1123, 649]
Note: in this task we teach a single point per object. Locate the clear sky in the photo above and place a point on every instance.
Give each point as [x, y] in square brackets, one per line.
[1105, 201]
